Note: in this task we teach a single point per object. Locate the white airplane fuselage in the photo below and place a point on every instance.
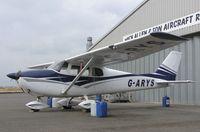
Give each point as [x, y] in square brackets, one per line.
[112, 81]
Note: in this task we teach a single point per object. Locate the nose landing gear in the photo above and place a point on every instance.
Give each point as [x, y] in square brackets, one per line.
[37, 105]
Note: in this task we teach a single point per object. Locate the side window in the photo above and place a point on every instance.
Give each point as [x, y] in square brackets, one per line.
[97, 72]
[75, 70]
[86, 73]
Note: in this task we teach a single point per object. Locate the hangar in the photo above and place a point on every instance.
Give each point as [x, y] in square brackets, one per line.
[179, 17]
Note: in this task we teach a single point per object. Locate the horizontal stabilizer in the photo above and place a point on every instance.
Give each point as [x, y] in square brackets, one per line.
[164, 84]
[177, 81]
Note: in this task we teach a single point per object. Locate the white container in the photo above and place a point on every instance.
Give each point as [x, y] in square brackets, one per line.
[55, 102]
[93, 109]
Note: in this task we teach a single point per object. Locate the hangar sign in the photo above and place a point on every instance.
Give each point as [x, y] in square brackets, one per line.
[169, 26]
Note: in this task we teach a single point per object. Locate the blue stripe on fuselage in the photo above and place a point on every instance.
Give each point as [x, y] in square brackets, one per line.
[167, 70]
[169, 75]
[53, 75]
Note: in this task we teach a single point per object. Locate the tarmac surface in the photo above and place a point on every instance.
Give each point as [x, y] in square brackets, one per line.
[122, 117]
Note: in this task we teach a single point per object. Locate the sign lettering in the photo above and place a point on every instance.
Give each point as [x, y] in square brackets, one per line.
[169, 26]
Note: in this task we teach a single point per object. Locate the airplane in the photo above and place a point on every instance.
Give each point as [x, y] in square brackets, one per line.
[86, 74]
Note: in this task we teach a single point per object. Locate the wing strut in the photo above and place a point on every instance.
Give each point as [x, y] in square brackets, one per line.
[78, 76]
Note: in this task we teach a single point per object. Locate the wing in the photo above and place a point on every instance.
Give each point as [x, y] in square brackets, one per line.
[128, 50]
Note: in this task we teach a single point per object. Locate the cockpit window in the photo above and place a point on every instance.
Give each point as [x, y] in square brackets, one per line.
[64, 68]
[59, 66]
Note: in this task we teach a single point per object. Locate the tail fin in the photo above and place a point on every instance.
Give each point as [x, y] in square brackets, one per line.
[170, 65]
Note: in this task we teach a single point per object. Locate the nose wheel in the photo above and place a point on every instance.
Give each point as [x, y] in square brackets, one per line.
[37, 105]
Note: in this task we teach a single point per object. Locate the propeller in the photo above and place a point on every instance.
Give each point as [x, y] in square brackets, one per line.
[15, 76]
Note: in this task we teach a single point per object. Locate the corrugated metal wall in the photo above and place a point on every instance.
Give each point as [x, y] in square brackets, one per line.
[189, 70]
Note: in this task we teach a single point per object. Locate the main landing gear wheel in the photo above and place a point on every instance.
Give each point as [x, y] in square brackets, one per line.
[69, 106]
[35, 110]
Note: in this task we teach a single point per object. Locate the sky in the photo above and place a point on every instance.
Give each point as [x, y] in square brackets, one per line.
[39, 31]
